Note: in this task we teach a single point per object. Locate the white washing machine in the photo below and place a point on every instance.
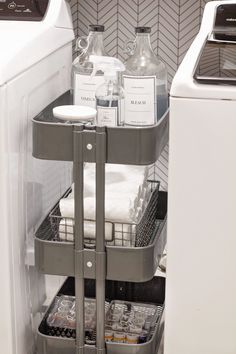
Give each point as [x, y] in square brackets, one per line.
[201, 266]
[35, 65]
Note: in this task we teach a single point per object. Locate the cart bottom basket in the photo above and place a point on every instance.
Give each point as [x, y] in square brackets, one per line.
[152, 292]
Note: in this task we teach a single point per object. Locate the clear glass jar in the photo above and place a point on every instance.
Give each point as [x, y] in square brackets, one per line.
[84, 86]
[145, 82]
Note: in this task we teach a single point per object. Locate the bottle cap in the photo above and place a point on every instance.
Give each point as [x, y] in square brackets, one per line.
[142, 29]
[74, 113]
[96, 28]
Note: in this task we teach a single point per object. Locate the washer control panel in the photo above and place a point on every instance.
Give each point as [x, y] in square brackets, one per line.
[225, 22]
[23, 10]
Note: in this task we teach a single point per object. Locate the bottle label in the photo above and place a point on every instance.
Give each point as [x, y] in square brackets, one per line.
[85, 88]
[140, 100]
[107, 116]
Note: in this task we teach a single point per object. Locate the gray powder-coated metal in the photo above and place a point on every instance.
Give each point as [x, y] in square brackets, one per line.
[53, 139]
[135, 264]
[130, 292]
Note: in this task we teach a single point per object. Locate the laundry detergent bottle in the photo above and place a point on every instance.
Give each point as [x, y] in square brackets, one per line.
[145, 82]
[84, 86]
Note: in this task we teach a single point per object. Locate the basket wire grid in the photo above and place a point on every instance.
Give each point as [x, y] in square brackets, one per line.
[138, 234]
[60, 329]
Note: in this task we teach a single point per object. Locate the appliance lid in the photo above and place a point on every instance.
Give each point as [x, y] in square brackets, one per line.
[217, 63]
[24, 43]
[23, 46]
[225, 22]
[208, 70]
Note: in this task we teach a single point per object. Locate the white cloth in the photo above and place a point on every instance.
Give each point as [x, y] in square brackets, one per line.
[117, 209]
[119, 178]
[125, 191]
[66, 230]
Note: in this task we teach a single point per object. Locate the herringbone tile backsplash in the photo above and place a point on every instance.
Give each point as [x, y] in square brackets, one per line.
[174, 25]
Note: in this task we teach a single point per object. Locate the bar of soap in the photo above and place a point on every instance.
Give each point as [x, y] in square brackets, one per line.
[74, 113]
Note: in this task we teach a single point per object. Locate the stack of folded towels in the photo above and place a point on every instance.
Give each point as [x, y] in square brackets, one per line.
[127, 193]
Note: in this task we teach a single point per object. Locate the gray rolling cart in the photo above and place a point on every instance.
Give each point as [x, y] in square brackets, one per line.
[103, 271]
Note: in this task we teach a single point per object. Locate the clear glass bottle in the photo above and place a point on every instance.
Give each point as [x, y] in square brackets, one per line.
[110, 95]
[110, 99]
[84, 86]
[145, 82]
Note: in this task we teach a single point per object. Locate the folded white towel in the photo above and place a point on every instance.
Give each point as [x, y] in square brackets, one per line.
[125, 234]
[66, 230]
[123, 243]
[117, 209]
[118, 177]
[115, 234]
[125, 195]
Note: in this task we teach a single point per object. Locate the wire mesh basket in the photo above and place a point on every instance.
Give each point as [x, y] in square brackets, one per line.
[116, 233]
[61, 229]
[125, 321]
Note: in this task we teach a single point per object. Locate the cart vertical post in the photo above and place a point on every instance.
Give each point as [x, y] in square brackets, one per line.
[100, 237]
[78, 167]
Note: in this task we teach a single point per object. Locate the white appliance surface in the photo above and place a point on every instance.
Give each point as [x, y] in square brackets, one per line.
[35, 67]
[183, 84]
[24, 43]
[201, 286]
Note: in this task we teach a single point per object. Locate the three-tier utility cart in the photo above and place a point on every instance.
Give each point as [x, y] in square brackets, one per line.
[104, 271]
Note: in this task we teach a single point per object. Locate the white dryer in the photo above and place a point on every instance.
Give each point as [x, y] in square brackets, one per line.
[201, 265]
[35, 64]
